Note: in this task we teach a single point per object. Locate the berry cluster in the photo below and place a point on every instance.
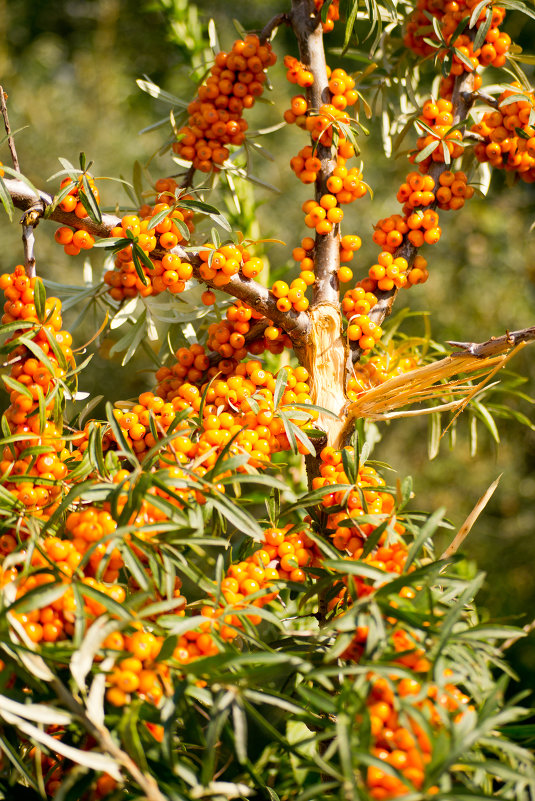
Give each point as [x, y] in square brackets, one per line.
[219, 264]
[216, 115]
[343, 185]
[33, 463]
[343, 94]
[436, 122]
[399, 739]
[132, 276]
[75, 241]
[227, 411]
[231, 337]
[353, 503]
[449, 14]
[291, 295]
[420, 195]
[508, 137]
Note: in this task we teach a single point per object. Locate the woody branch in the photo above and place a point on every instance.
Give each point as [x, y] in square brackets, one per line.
[245, 289]
[306, 24]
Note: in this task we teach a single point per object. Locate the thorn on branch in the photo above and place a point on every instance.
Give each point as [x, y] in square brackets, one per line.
[485, 98]
[494, 345]
[10, 140]
[272, 25]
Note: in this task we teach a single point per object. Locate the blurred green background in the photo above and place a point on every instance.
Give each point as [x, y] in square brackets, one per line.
[69, 67]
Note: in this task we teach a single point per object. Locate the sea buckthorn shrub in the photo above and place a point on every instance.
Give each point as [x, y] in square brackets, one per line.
[210, 590]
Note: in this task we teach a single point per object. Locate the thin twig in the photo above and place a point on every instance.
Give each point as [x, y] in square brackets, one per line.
[145, 782]
[466, 527]
[28, 240]
[527, 629]
[480, 386]
[273, 24]
[425, 382]
[494, 345]
[485, 98]
[188, 178]
[10, 140]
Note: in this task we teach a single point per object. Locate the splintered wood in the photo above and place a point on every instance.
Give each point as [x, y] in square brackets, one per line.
[431, 382]
[325, 358]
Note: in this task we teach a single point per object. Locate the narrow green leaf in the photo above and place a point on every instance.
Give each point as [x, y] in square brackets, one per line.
[427, 150]
[350, 24]
[483, 30]
[39, 298]
[39, 597]
[15, 385]
[6, 200]
[13, 756]
[70, 169]
[114, 608]
[239, 730]
[515, 5]
[119, 436]
[38, 352]
[485, 416]
[427, 531]
[477, 11]
[128, 730]
[89, 202]
[138, 256]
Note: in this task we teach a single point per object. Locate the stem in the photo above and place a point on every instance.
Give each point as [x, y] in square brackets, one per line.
[28, 240]
[187, 181]
[324, 351]
[101, 734]
[10, 140]
[255, 295]
[306, 24]
[495, 345]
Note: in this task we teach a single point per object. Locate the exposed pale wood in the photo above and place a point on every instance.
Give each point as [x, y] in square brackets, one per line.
[325, 357]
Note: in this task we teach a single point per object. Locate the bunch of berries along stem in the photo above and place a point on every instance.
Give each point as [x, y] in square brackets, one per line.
[216, 115]
[32, 466]
[508, 134]
[167, 271]
[75, 241]
[449, 14]
[327, 126]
